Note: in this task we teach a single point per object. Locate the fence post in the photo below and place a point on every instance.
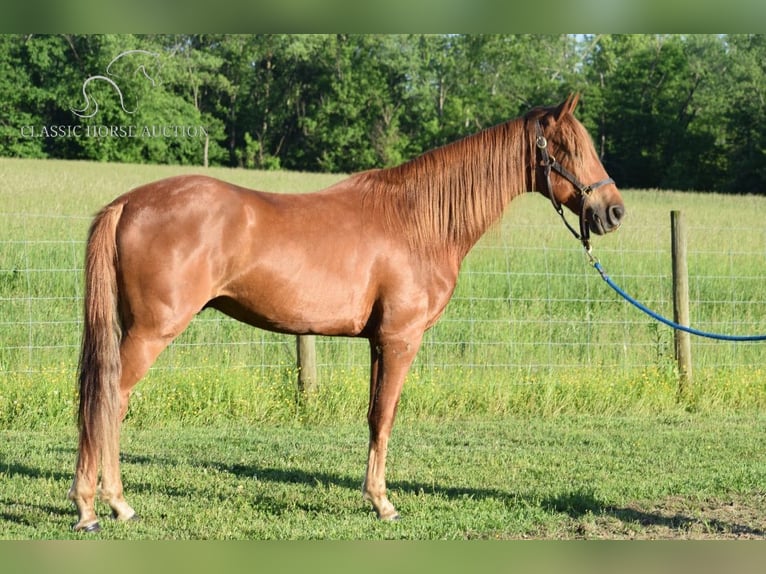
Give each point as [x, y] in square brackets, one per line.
[681, 299]
[307, 364]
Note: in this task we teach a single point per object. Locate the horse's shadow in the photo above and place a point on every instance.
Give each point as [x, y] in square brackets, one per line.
[575, 504]
[300, 477]
[29, 513]
[579, 504]
[18, 469]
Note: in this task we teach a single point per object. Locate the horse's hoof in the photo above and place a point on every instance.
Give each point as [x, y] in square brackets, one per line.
[89, 528]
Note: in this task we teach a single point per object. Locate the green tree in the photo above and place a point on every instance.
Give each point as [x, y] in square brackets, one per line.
[684, 112]
[656, 100]
[349, 103]
[159, 80]
[464, 83]
[18, 109]
[32, 83]
[746, 114]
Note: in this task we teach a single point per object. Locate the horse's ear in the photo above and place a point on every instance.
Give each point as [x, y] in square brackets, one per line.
[573, 100]
[568, 106]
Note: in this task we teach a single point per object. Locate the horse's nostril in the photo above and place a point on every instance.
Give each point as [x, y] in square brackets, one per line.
[615, 214]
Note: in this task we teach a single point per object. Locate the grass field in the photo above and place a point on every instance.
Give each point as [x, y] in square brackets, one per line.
[540, 406]
[684, 476]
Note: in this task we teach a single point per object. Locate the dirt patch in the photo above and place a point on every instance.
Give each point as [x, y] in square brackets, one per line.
[740, 517]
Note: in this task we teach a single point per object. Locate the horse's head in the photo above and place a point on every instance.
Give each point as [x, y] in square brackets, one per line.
[568, 170]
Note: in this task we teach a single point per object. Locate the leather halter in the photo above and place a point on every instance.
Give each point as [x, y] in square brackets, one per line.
[549, 163]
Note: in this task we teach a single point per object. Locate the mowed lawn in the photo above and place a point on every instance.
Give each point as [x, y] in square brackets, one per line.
[677, 476]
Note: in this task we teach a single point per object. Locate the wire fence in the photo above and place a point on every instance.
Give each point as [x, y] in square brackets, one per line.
[528, 304]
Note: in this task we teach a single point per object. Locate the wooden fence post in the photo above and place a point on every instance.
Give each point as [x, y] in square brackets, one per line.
[307, 364]
[681, 299]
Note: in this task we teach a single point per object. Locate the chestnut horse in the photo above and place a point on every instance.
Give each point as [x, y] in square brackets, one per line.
[376, 256]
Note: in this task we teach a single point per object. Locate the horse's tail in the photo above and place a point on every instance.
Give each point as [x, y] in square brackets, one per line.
[100, 366]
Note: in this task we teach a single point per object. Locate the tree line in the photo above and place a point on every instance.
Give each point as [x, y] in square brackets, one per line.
[665, 111]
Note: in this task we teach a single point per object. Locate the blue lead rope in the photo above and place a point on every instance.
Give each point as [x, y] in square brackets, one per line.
[665, 320]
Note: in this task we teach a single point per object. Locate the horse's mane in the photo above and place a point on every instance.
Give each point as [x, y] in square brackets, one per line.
[451, 195]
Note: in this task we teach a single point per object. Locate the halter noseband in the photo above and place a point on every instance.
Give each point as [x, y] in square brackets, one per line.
[549, 163]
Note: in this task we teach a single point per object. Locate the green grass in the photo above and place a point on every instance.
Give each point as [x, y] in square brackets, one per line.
[557, 477]
[209, 397]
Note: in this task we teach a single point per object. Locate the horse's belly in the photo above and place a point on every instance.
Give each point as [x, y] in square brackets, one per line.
[298, 308]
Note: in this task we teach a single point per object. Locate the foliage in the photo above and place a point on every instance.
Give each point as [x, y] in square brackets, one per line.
[685, 112]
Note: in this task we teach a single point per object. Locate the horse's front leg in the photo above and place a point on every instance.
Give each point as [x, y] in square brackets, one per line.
[390, 361]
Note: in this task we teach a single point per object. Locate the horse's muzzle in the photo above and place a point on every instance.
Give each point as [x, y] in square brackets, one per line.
[604, 218]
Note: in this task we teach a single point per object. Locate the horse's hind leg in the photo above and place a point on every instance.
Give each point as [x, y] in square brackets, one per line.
[138, 351]
[83, 490]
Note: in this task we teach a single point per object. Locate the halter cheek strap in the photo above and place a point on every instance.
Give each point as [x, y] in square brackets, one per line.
[549, 163]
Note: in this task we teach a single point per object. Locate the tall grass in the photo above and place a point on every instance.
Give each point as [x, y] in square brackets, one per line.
[531, 327]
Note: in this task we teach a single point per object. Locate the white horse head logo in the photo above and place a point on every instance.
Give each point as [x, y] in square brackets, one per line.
[91, 105]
